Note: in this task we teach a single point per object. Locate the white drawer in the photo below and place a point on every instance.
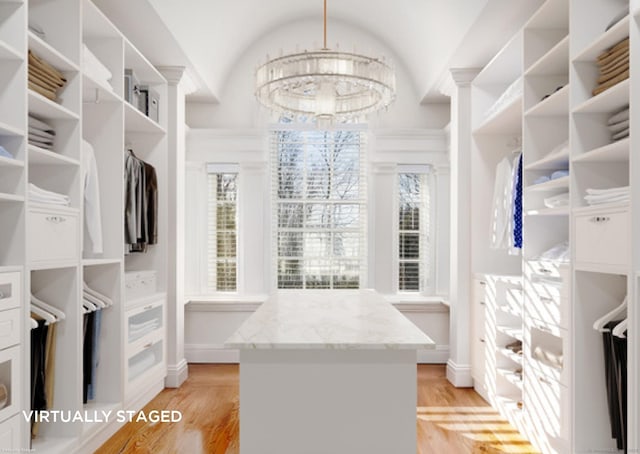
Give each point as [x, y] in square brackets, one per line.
[10, 290]
[10, 434]
[544, 269]
[145, 320]
[603, 238]
[544, 303]
[546, 404]
[553, 341]
[52, 236]
[9, 328]
[10, 373]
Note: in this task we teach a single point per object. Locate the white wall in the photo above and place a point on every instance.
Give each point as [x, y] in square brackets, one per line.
[238, 107]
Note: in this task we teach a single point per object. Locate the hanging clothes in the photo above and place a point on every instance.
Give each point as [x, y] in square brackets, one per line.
[92, 214]
[506, 214]
[38, 367]
[615, 360]
[141, 207]
[501, 212]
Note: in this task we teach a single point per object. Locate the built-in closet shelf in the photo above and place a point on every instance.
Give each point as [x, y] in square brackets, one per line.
[511, 377]
[507, 309]
[99, 262]
[10, 269]
[58, 265]
[46, 108]
[597, 209]
[601, 268]
[52, 445]
[9, 162]
[550, 185]
[96, 25]
[94, 91]
[8, 130]
[51, 55]
[603, 42]
[551, 15]
[10, 197]
[608, 101]
[510, 331]
[505, 67]
[613, 152]
[556, 104]
[146, 73]
[41, 156]
[507, 121]
[510, 355]
[559, 211]
[7, 52]
[98, 409]
[554, 62]
[56, 208]
[136, 121]
[551, 162]
[136, 302]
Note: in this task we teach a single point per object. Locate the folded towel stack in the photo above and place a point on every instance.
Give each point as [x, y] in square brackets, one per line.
[44, 78]
[557, 201]
[39, 195]
[611, 195]
[41, 133]
[613, 65]
[618, 124]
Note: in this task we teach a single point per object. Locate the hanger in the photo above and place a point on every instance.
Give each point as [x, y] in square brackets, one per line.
[598, 325]
[95, 301]
[620, 328]
[103, 299]
[88, 305]
[47, 307]
[34, 323]
[48, 318]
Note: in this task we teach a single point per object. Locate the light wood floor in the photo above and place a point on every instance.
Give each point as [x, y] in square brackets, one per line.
[450, 420]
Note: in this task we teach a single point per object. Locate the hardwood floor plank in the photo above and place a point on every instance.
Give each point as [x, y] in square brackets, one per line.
[448, 419]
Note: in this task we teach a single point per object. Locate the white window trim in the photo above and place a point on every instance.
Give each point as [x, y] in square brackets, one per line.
[218, 167]
[432, 278]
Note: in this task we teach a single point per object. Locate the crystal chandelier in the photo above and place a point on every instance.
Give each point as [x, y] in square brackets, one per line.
[327, 85]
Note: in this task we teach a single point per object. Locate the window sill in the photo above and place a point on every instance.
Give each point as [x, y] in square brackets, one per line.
[418, 303]
[224, 302]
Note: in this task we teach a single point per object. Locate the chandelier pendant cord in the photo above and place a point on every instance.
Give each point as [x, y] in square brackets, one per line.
[325, 26]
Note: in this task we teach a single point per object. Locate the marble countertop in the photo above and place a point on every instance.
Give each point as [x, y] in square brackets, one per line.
[340, 319]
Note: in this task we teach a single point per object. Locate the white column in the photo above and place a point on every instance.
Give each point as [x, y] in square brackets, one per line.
[442, 237]
[177, 370]
[383, 249]
[459, 364]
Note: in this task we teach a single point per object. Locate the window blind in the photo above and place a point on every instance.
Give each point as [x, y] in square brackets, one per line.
[319, 209]
[222, 228]
[415, 255]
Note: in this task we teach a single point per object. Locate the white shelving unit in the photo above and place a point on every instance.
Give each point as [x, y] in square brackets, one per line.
[42, 249]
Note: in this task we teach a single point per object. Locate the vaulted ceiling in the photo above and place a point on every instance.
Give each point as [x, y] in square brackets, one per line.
[208, 36]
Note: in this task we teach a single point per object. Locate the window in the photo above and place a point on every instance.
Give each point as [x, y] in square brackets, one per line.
[415, 251]
[319, 195]
[222, 264]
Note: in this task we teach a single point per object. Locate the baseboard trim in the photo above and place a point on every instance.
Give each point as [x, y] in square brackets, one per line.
[176, 374]
[459, 375]
[212, 353]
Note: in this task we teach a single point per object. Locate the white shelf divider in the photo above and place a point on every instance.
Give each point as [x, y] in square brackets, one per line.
[554, 62]
[611, 37]
[46, 108]
[614, 98]
[550, 162]
[45, 51]
[507, 121]
[556, 104]
[7, 52]
[613, 152]
[136, 121]
[41, 156]
[8, 162]
[550, 185]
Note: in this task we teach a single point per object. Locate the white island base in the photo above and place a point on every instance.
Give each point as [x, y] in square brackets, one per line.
[328, 373]
[328, 401]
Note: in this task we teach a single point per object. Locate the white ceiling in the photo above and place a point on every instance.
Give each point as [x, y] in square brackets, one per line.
[209, 36]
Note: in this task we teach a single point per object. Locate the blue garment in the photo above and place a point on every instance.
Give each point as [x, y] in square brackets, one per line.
[97, 321]
[4, 153]
[517, 207]
[559, 174]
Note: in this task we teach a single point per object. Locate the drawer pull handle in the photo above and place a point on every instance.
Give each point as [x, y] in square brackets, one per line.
[544, 380]
[544, 270]
[599, 219]
[546, 300]
[482, 340]
[146, 308]
[56, 219]
[482, 303]
[483, 283]
[544, 328]
[147, 345]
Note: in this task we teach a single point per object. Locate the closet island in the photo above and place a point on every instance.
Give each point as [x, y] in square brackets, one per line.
[331, 372]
